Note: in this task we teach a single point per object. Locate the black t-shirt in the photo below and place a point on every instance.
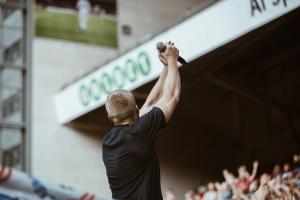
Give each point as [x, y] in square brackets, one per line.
[129, 155]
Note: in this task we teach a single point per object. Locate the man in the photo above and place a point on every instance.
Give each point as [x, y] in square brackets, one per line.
[84, 8]
[129, 154]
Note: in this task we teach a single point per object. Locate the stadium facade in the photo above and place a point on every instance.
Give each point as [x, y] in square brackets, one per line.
[239, 100]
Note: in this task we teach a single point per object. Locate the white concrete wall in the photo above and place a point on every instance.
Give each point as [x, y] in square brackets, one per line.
[148, 17]
[59, 153]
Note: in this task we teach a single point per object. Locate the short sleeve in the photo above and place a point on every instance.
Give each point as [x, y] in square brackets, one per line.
[150, 123]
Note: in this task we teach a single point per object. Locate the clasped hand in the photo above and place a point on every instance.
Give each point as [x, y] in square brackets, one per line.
[170, 54]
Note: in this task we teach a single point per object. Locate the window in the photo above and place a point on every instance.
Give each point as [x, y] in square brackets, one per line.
[11, 37]
[11, 147]
[13, 53]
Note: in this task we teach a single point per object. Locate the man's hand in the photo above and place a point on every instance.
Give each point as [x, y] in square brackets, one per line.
[171, 53]
[162, 59]
[265, 191]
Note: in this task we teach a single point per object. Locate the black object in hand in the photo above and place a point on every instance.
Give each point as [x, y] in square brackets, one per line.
[161, 47]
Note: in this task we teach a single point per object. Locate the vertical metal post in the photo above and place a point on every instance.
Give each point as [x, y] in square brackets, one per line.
[1, 108]
[28, 35]
[1, 91]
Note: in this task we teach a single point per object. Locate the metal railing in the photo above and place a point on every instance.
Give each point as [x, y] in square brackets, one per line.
[17, 185]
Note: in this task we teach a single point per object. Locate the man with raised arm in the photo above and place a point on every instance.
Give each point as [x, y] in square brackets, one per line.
[129, 154]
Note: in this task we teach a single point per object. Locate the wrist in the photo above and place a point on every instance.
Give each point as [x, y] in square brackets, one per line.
[171, 60]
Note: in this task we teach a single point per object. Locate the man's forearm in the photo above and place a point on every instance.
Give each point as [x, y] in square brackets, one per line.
[172, 83]
[254, 171]
[157, 90]
[171, 89]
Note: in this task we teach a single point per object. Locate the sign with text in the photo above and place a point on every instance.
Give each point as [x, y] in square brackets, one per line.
[203, 32]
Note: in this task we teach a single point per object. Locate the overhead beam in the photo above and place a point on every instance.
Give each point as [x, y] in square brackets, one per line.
[277, 59]
[12, 66]
[260, 98]
[205, 130]
[235, 52]
[11, 126]
[13, 5]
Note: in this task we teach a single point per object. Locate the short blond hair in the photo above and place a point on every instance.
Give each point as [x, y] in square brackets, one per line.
[120, 104]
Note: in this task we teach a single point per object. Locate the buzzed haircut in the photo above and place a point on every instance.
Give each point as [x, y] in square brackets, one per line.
[120, 104]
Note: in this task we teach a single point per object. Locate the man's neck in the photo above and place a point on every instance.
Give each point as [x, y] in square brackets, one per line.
[125, 121]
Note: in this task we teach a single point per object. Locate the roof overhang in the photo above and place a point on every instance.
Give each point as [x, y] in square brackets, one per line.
[202, 33]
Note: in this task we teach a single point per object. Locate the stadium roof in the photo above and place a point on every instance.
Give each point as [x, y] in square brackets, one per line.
[197, 36]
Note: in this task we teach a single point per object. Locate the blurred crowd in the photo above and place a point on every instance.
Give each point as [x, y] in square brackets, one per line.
[283, 182]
